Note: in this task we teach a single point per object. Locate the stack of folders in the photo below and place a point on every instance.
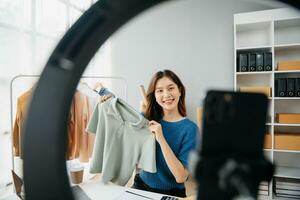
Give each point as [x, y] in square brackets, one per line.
[287, 187]
[263, 189]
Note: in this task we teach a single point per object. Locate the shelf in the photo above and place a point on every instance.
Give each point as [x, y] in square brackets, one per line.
[287, 98]
[276, 31]
[253, 73]
[278, 124]
[268, 150]
[286, 151]
[264, 47]
[281, 198]
[287, 172]
[283, 47]
[287, 71]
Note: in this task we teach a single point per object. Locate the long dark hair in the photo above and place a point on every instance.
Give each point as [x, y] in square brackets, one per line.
[154, 110]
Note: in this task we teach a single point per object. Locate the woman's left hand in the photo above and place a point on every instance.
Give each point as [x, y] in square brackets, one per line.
[155, 128]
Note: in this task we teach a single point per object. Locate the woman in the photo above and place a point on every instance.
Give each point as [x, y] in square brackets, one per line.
[174, 133]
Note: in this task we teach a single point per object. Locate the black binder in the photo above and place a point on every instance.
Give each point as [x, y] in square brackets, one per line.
[252, 61]
[280, 87]
[259, 62]
[242, 62]
[268, 61]
[290, 87]
[297, 87]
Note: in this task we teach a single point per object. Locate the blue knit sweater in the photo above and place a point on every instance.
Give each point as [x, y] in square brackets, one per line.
[181, 137]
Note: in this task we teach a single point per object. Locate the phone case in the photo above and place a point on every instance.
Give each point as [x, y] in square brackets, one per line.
[234, 124]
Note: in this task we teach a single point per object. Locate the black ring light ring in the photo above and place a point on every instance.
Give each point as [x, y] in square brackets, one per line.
[45, 137]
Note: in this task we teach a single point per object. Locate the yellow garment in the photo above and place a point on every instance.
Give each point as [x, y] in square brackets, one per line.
[22, 104]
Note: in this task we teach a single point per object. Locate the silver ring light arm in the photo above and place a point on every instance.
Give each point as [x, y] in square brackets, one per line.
[44, 142]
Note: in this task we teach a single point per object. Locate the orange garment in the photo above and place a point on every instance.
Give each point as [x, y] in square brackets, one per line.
[80, 143]
[22, 104]
[86, 140]
[72, 138]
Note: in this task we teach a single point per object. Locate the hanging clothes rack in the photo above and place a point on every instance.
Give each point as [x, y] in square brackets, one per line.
[37, 76]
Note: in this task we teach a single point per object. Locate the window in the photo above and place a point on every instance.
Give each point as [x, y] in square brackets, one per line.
[15, 12]
[51, 17]
[29, 31]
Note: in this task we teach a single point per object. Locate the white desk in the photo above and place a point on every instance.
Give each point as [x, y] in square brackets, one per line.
[98, 191]
[113, 192]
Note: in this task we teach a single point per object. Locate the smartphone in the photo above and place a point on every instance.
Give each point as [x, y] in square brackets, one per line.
[234, 124]
[231, 155]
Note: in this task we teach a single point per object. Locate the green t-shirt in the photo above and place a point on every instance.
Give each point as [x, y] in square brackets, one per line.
[123, 140]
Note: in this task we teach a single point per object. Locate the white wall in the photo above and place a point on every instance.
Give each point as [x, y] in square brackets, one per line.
[194, 38]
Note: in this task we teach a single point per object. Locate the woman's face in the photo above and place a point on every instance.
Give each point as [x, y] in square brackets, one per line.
[167, 94]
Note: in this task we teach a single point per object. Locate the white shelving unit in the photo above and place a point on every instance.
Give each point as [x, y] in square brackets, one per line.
[276, 31]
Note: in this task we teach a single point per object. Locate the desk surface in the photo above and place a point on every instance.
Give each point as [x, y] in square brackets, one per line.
[98, 191]
[113, 192]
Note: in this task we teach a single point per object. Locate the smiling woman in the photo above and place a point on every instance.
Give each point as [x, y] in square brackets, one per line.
[174, 133]
[58, 83]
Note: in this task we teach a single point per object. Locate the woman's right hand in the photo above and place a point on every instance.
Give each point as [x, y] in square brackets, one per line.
[105, 98]
[98, 86]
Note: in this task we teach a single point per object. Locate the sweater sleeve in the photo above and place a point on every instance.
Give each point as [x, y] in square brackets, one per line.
[104, 91]
[188, 144]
